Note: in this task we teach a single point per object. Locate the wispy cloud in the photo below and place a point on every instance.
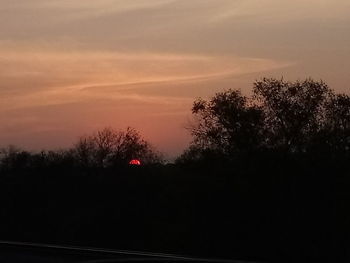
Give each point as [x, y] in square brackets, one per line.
[58, 77]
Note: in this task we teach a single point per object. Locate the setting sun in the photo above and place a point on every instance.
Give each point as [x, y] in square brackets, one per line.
[135, 162]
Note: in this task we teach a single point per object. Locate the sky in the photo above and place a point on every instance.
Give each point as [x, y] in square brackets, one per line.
[71, 67]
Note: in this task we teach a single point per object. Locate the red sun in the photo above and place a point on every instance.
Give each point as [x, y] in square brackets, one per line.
[135, 162]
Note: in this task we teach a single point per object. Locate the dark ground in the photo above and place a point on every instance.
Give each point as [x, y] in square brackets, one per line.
[18, 252]
[258, 213]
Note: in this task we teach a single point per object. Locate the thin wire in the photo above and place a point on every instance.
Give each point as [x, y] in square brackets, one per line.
[117, 252]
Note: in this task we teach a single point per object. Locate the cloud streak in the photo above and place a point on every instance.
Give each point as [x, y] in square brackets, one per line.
[60, 77]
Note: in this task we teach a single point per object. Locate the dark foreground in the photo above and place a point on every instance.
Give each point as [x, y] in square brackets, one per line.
[19, 252]
[292, 214]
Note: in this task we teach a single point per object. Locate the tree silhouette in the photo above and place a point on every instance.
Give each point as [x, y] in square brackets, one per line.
[105, 148]
[290, 117]
[337, 125]
[109, 147]
[13, 158]
[228, 123]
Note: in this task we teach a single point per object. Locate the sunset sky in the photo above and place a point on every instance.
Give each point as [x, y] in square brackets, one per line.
[71, 67]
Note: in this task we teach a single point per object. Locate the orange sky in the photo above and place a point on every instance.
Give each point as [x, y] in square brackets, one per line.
[70, 67]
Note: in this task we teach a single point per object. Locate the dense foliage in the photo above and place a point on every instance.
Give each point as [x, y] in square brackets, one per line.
[302, 117]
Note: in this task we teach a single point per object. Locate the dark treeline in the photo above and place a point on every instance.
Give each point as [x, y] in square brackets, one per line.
[107, 148]
[266, 178]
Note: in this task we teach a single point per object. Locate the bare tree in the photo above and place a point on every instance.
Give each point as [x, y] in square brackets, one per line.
[109, 147]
